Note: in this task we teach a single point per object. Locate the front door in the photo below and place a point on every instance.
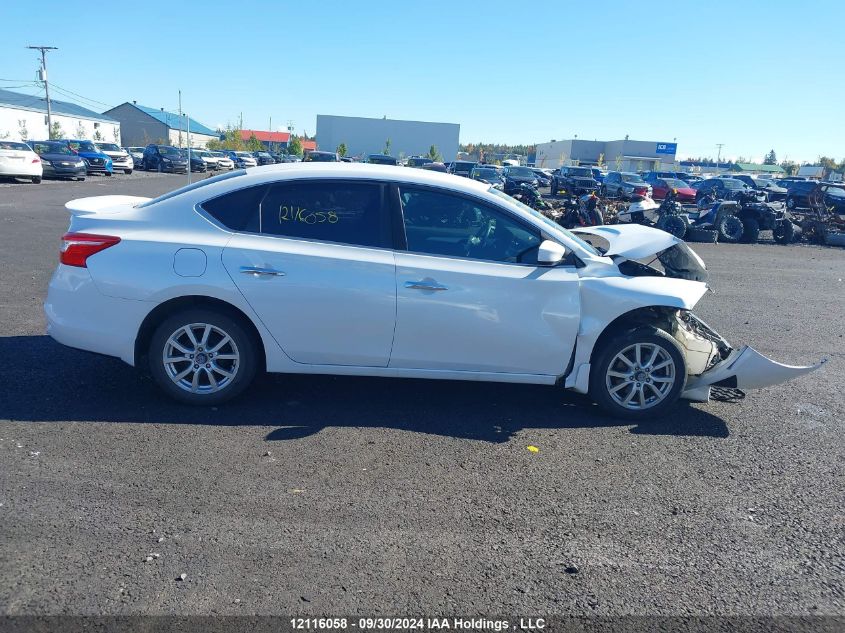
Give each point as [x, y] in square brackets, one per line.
[470, 295]
[317, 267]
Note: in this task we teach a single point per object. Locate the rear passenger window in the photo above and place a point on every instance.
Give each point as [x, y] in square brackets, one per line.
[238, 210]
[331, 211]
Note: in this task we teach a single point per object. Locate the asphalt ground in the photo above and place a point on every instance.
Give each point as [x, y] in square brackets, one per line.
[335, 495]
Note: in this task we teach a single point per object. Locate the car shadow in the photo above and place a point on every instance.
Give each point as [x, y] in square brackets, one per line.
[44, 381]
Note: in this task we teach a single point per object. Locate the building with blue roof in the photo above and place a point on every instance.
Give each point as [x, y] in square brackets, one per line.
[141, 125]
[24, 117]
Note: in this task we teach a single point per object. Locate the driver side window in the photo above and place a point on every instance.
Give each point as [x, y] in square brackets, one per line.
[445, 224]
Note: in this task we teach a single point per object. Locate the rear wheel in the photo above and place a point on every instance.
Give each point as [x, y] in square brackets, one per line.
[673, 224]
[127, 171]
[784, 232]
[750, 231]
[202, 357]
[36, 180]
[638, 374]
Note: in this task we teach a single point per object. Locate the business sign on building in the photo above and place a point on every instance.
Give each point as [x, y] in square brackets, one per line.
[666, 148]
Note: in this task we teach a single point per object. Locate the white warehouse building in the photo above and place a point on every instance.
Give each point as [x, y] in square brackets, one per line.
[24, 117]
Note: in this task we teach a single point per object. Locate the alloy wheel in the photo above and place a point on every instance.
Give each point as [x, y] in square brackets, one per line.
[201, 358]
[640, 376]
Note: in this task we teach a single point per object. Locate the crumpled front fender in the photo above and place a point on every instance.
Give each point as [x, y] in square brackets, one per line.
[745, 368]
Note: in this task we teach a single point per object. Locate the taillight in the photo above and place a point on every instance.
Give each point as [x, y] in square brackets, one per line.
[78, 247]
[36, 160]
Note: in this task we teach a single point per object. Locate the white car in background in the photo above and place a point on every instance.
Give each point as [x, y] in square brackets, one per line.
[369, 270]
[121, 159]
[223, 161]
[137, 154]
[17, 160]
[211, 162]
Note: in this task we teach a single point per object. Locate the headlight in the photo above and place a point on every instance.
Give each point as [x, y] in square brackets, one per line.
[165, 160]
[44, 161]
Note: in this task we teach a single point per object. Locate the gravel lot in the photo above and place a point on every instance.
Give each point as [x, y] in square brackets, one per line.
[328, 496]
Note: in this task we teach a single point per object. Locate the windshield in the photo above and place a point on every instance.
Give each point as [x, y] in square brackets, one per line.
[553, 228]
[632, 178]
[487, 174]
[52, 148]
[244, 155]
[520, 172]
[84, 146]
[674, 183]
[836, 192]
[166, 150]
[192, 186]
[321, 157]
[22, 147]
[733, 183]
[581, 172]
[111, 147]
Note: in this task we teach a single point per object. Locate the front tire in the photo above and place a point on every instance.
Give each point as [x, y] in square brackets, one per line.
[784, 232]
[128, 172]
[638, 374]
[730, 229]
[674, 225]
[202, 357]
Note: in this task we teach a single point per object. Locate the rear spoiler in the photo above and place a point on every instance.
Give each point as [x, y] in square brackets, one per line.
[103, 204]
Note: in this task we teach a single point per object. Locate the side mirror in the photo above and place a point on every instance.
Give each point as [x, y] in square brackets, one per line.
[550, 253]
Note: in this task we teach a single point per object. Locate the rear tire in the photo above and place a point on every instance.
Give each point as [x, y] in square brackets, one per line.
[128, 172]
[202, 357]
[36, 180]
[674, 225]
[638, 374]
[751, 231]
[730, 229]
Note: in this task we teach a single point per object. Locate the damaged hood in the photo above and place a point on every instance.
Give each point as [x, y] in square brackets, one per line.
[631, 241]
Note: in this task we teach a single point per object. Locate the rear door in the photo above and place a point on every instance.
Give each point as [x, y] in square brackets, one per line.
[315, 263]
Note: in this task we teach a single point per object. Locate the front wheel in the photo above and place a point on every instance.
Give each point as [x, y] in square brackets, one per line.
[730, 229]
[784, 232]
[638, 374]
[750, 231]
[128, 172]
[202, 357]
[673, 224]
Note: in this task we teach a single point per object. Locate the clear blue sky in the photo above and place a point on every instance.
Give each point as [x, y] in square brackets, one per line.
[751, 75]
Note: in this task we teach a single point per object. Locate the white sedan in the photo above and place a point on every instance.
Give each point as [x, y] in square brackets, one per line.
[17, 160]
[369, 270]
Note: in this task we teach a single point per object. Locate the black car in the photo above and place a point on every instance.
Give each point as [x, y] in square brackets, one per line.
[721, 188]
[462, 168]
[321, 157]
[197, 163]
[58, 160]
[773, 192]
[381, 159]
[574, 181]
[515, 176]
[803, 193]
[418, 161]
[264, 158]
[488, 175]
[543, 179]
[164, 158]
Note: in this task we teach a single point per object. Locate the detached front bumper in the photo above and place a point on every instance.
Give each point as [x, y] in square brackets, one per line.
[744, 368]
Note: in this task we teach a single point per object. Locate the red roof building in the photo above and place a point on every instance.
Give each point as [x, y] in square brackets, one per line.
[276, 140]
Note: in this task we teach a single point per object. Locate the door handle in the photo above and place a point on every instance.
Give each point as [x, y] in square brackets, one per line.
[261, 272]
[424, 285]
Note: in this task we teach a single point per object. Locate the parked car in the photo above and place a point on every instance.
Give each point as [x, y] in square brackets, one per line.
[242, 160]
[212, 163]
[58, 160]
[624, 185]
[95, 161]
[662, 186]
[488, 175]
[688, 178]
[164, 158]
[461, 167]
[17, 160]
[598, 174]
[198, 165]
[435, 166]
[574, 180]
[515, 175]
[832, 195]
[263, 158]
[722, 188]
[473, 286]
[418, 161]
[223, 160]
[137, 154]
[774, 193]
[321, 157]
[651, 176]
[543, 179]
[120, 158]
[381, 159]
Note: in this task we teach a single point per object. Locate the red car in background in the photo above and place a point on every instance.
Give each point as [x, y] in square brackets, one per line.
[661, 186]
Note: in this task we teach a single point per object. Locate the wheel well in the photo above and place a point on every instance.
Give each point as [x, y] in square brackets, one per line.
[659, 316]
[164, 310]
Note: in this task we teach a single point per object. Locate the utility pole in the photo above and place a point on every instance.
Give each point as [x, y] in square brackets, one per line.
[180, 121]
[44, 50]
[719, 156]
[270, 138]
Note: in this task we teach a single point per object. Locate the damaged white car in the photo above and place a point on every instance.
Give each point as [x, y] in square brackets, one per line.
[378, 271]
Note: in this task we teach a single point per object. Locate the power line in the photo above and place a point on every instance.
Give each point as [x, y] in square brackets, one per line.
[75, 94]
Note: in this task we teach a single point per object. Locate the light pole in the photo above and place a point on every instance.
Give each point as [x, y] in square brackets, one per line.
[44, 50]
